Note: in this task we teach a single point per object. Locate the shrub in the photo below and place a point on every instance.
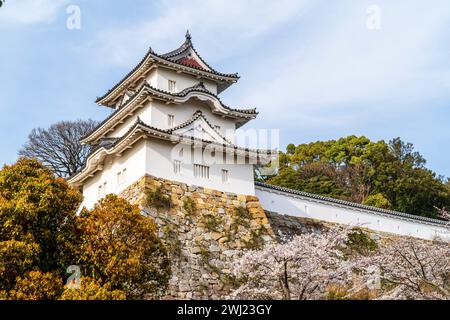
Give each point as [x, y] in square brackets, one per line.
[36, 285]
[158, 199]
[35, 206]
[190, 206]
[16, 258]
[91, 289]
[120, 247]
[212, 222]
[360, 242]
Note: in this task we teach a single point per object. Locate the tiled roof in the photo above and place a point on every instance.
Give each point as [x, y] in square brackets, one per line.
[195, 116]
[189, 62]
[112, 143]
[183, 62]
[195, 88]
[352, 204]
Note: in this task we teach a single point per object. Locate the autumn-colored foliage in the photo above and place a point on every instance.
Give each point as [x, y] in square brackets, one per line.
[41, 235]
[36, 207]
[36, 285]
[120, 246]
[91, 289]
[16, 257]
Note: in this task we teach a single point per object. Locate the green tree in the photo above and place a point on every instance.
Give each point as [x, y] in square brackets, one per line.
[390, 175]
[377, 200]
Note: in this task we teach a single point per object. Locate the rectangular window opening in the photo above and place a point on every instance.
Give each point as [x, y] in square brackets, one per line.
[172, 85]
[201, 171]
[171, 120]
[225, 176]
[177, 166]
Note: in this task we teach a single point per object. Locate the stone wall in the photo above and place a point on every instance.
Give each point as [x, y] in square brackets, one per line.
[204, 230]
[285, 226]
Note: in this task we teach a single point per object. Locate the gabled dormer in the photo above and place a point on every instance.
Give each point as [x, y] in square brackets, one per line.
[200, 128]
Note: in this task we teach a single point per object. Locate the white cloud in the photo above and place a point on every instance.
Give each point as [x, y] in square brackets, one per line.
[225, 25]
[341, 67]
[315, 62]
[30, 11]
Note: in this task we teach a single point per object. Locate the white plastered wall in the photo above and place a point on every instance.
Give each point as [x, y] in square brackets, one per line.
[160, 80]
[155, 157]
[133, 160]
[298, 206]
[159, 163]
[155, 113]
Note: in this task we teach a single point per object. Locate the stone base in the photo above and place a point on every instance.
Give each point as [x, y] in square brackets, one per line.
[204, 229]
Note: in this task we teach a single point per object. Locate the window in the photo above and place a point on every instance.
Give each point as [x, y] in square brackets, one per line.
[171, 120]
[124, 175]
[224, 176]
[217, 128]
[121, 177]
[172, 85]
[101, 192]
[201, 171]
[177, 166]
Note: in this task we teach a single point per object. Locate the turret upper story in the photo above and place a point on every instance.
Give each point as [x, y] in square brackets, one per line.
[165, 91]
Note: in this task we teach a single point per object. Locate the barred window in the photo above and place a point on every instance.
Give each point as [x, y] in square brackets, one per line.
[201, 171]
[121, 177]
[177, 166]
[224, 175]
[171, 120]
[172, 85]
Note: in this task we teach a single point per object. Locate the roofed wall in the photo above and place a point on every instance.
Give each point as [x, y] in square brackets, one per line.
[294, 204]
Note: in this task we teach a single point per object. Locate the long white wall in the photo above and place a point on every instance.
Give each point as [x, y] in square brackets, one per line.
[301, 206]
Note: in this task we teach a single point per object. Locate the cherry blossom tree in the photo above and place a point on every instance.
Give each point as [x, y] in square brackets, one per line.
[443, 213]
[307, 266]
[413, 269]
[302, 268]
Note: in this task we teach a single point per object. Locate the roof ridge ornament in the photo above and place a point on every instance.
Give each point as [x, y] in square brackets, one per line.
[188, 35]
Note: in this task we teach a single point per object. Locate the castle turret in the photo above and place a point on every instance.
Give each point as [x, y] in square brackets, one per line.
[169, 122]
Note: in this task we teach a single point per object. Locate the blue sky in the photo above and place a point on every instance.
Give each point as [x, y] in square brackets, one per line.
[312, 68]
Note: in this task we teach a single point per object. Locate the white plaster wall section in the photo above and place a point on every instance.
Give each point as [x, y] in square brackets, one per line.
[132, 160]
[159, 163]
[182, 81]
[185, 111]
[295, 205]
[152, 78]
[144, 113]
